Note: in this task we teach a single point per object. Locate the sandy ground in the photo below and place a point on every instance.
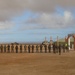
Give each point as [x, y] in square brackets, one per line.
[37, 63]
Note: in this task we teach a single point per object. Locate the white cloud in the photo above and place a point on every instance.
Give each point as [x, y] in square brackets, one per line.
[46, 20]
[11, 8]
[6, 25]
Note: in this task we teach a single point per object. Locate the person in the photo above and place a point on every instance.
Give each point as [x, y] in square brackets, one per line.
[1, 48]
[66, 46]
[45, 48]
[20, 48]
[24, 48]
[12, 48]
[59, 49]
[37, 48]
[49, 47]
[8, 48]
[29, 49]
[4, 48]
[40, 48]
[16, 49]
[54, 48]
[63, 48]
[32, 48]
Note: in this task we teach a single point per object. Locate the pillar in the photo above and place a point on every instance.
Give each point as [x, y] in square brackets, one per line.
[69, 43]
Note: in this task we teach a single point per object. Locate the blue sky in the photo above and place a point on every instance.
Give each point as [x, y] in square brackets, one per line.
[34, 24]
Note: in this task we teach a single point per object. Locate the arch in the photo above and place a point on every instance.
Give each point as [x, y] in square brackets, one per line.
[68, 40]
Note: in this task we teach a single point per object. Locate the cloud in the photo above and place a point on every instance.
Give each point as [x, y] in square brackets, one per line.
[6, 25]
[52, 20]
[13, 8]
[10, 8]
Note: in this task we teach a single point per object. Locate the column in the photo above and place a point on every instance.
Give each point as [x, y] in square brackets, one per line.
[69, 43]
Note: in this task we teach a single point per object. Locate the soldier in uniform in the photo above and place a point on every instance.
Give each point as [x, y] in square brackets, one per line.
[29, 49]
[40, 48]
[63, 48]
[54, 48]
[59, 49]
[24, 48]
[37, 48]
[8, 48]
[1, 48]
[20, 48]
[16, 49]
[12, 48]
[4, 48]
[66, 46]
[32, 48]
[49, 47]
[45, 48]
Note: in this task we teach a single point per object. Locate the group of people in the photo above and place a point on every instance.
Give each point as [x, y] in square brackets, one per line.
[48, 48]
[60, 48]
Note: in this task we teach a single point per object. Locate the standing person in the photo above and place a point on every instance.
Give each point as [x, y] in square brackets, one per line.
[37, 48]
[32, 48]
[1, 48]
[20, 48]
[63, 48]
[25, 48]
[54, 48]
[12, 48]
[16, 49]
[4, 48]
[49, 48]
[29, 49]
[45, 48]
[66, 47]
[59, 49]
[40, 48]
[8, 48]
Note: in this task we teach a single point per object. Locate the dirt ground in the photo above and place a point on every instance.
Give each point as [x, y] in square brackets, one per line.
[37, 63]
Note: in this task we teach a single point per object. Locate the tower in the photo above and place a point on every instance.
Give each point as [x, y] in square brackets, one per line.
[57, 41]
[51, 41]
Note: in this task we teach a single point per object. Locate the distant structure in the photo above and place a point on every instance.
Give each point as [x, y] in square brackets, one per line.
[57, 41]
[45, 42]
[51, 41]
[67, 40]
[45, 46]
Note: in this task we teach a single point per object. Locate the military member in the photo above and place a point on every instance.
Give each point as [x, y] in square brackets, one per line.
[63, 48]
[32, 48]
[54, 48]
[49, 48]
[25, 48]
[20, 48]
[40, 48]
[59, 49]
[29, 49]
[1, 48]
[45, 48]
[16, 49]
[4, 48]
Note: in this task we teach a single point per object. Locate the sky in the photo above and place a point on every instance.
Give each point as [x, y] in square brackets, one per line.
[33, 20]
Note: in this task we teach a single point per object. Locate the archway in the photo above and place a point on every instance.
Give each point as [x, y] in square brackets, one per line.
[68, 40]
